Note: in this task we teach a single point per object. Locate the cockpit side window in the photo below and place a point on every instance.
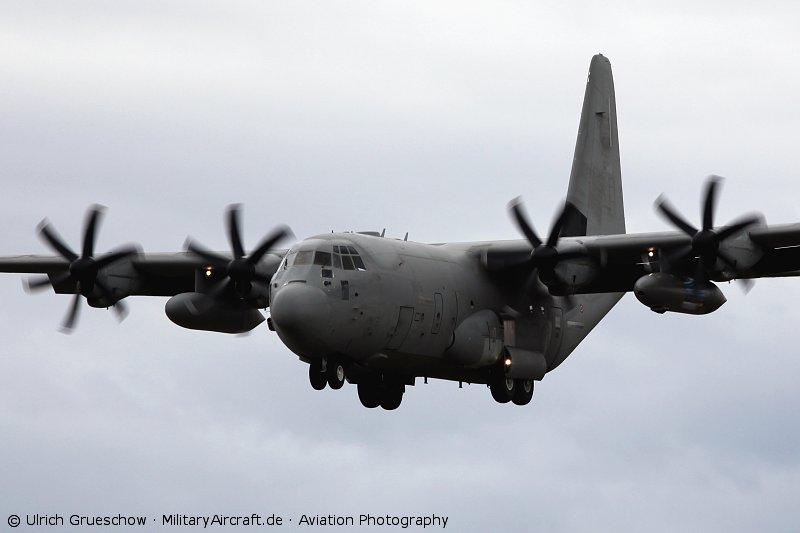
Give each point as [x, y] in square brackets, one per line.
[289, 260]
[303, 257]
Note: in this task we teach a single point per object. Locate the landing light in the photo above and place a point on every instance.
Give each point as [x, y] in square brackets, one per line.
[651, 252]
[209, 272]
[507, 361]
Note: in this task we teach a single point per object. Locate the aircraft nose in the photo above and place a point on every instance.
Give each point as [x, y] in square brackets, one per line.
[301, 314]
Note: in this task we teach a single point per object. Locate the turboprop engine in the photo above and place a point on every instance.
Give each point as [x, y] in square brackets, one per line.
[194, 310]
[664, 292]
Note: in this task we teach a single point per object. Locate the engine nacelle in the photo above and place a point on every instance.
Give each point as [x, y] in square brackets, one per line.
[665, 292]
[477, 341]
[194, 310]
[577, 272]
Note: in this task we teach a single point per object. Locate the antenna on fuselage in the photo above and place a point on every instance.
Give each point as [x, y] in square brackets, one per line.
[383, 233]
[406, 237]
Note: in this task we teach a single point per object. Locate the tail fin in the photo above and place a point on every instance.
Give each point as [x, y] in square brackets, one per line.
[595, 183]
[595, 195]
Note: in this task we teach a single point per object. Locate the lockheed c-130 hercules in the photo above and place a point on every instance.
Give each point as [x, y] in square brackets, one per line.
[381, 313]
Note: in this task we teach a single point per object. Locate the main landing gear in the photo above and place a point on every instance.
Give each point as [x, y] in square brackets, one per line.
[381, 390]
[505, 389]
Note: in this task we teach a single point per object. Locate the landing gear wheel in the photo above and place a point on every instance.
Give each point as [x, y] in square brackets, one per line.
[335, 374]
[369, 393]
[502, 388]
[523, 391]
[316, 377]
[392, 396]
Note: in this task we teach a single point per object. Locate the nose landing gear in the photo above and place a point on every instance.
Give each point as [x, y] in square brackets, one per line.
[328, 371]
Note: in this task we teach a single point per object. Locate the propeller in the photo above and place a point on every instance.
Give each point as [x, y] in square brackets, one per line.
[83, 269]
[706, 241]
[545, 255]
[241, 270]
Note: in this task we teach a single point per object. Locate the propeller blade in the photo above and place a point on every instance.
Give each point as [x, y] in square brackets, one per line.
[533, 286]
[214, 259]
[666, 209]
[555, 231]
[121, 309]
[736, 227]
[710, 201]
[676, 257]
[220, 289]
[280, 233]
[119, 306]
[90, 234]
[522, 222]
[36, 284]
[234, 235]
[52, 238]
[746, 284]
[117, 255]
[72, 315]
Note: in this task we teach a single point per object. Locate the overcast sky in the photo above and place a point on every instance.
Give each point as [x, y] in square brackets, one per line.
[424, 117]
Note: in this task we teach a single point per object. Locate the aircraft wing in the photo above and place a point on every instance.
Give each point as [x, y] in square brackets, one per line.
[618, 261]
[143, 274]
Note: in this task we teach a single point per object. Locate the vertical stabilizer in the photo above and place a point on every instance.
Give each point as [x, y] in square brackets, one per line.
[595, 193]
[595, 183]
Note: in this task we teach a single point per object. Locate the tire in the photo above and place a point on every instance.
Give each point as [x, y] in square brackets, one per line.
[335, 374]
[316, 377]
[523, 391]
[502, 388]
[369, 393]
[392, 396]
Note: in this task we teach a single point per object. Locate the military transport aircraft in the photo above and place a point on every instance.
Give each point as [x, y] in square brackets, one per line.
[380, 312]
